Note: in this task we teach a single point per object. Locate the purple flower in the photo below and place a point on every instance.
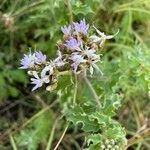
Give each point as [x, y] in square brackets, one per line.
[77, 60]
[28, 61]
[81, 27]
[66, 30]
[73, 44]
[102, 37]
[47, 71]
[40, 57]
[91, 54]
[37, 81]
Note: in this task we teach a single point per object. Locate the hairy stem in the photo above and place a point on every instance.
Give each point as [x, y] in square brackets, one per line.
[68, 2]
[91, 89]
[75, 89]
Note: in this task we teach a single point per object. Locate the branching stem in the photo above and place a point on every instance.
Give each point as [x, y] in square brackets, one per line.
[138, 137]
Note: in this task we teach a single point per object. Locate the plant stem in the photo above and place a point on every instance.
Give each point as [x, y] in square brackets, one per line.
[138, 137]
[75, 89]
[27, 9]
[13, 142]
[63, 134]
[13, 131]
[48, 147]
[68, 2]
[91, 89]
[64, 73]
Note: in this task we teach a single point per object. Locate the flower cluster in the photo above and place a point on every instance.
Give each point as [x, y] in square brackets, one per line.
[77, 50]
[109, 144]
[80, 48]
[41, 70]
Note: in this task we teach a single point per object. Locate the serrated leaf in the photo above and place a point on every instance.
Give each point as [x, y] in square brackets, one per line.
[102, 119]
[111, 104]
[77, 115]
[94, 139]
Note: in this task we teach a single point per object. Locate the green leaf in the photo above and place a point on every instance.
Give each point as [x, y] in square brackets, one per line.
[76, 115]
[102, 120]
[13, 91]
[36, 133]
[94, 139]
[18, 75]
[2, 80]
[111, 104]
[79, 8]
[3, 90]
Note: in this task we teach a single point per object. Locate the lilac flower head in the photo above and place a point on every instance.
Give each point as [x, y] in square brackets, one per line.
[40, 57]
[47, 71]
[28, 61]
[77, 60]
[66, 30]
[102, 37]
[37, 81]
[81, 27]
[73, 44]
[92, 56]
[58, 60]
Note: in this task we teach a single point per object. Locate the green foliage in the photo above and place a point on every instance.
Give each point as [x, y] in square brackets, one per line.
[94, 120]
[123, 89]
[37, 133]
[79, 8]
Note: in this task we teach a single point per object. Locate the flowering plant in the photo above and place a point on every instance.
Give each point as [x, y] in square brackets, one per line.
[78, 52]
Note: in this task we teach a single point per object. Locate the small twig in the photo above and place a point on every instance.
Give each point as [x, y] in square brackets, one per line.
[12, 142]
[39, 99]
[138, 137]
[48, 147]
[13, 131]
[63, 134]
[27, 9]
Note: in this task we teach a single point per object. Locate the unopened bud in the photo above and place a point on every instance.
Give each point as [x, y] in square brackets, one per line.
[102, 146]
[116, 147]
[112, 141]
[107, 142]
[109, 146]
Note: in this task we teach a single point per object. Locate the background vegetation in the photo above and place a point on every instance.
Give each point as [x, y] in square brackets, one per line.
[28, 119]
